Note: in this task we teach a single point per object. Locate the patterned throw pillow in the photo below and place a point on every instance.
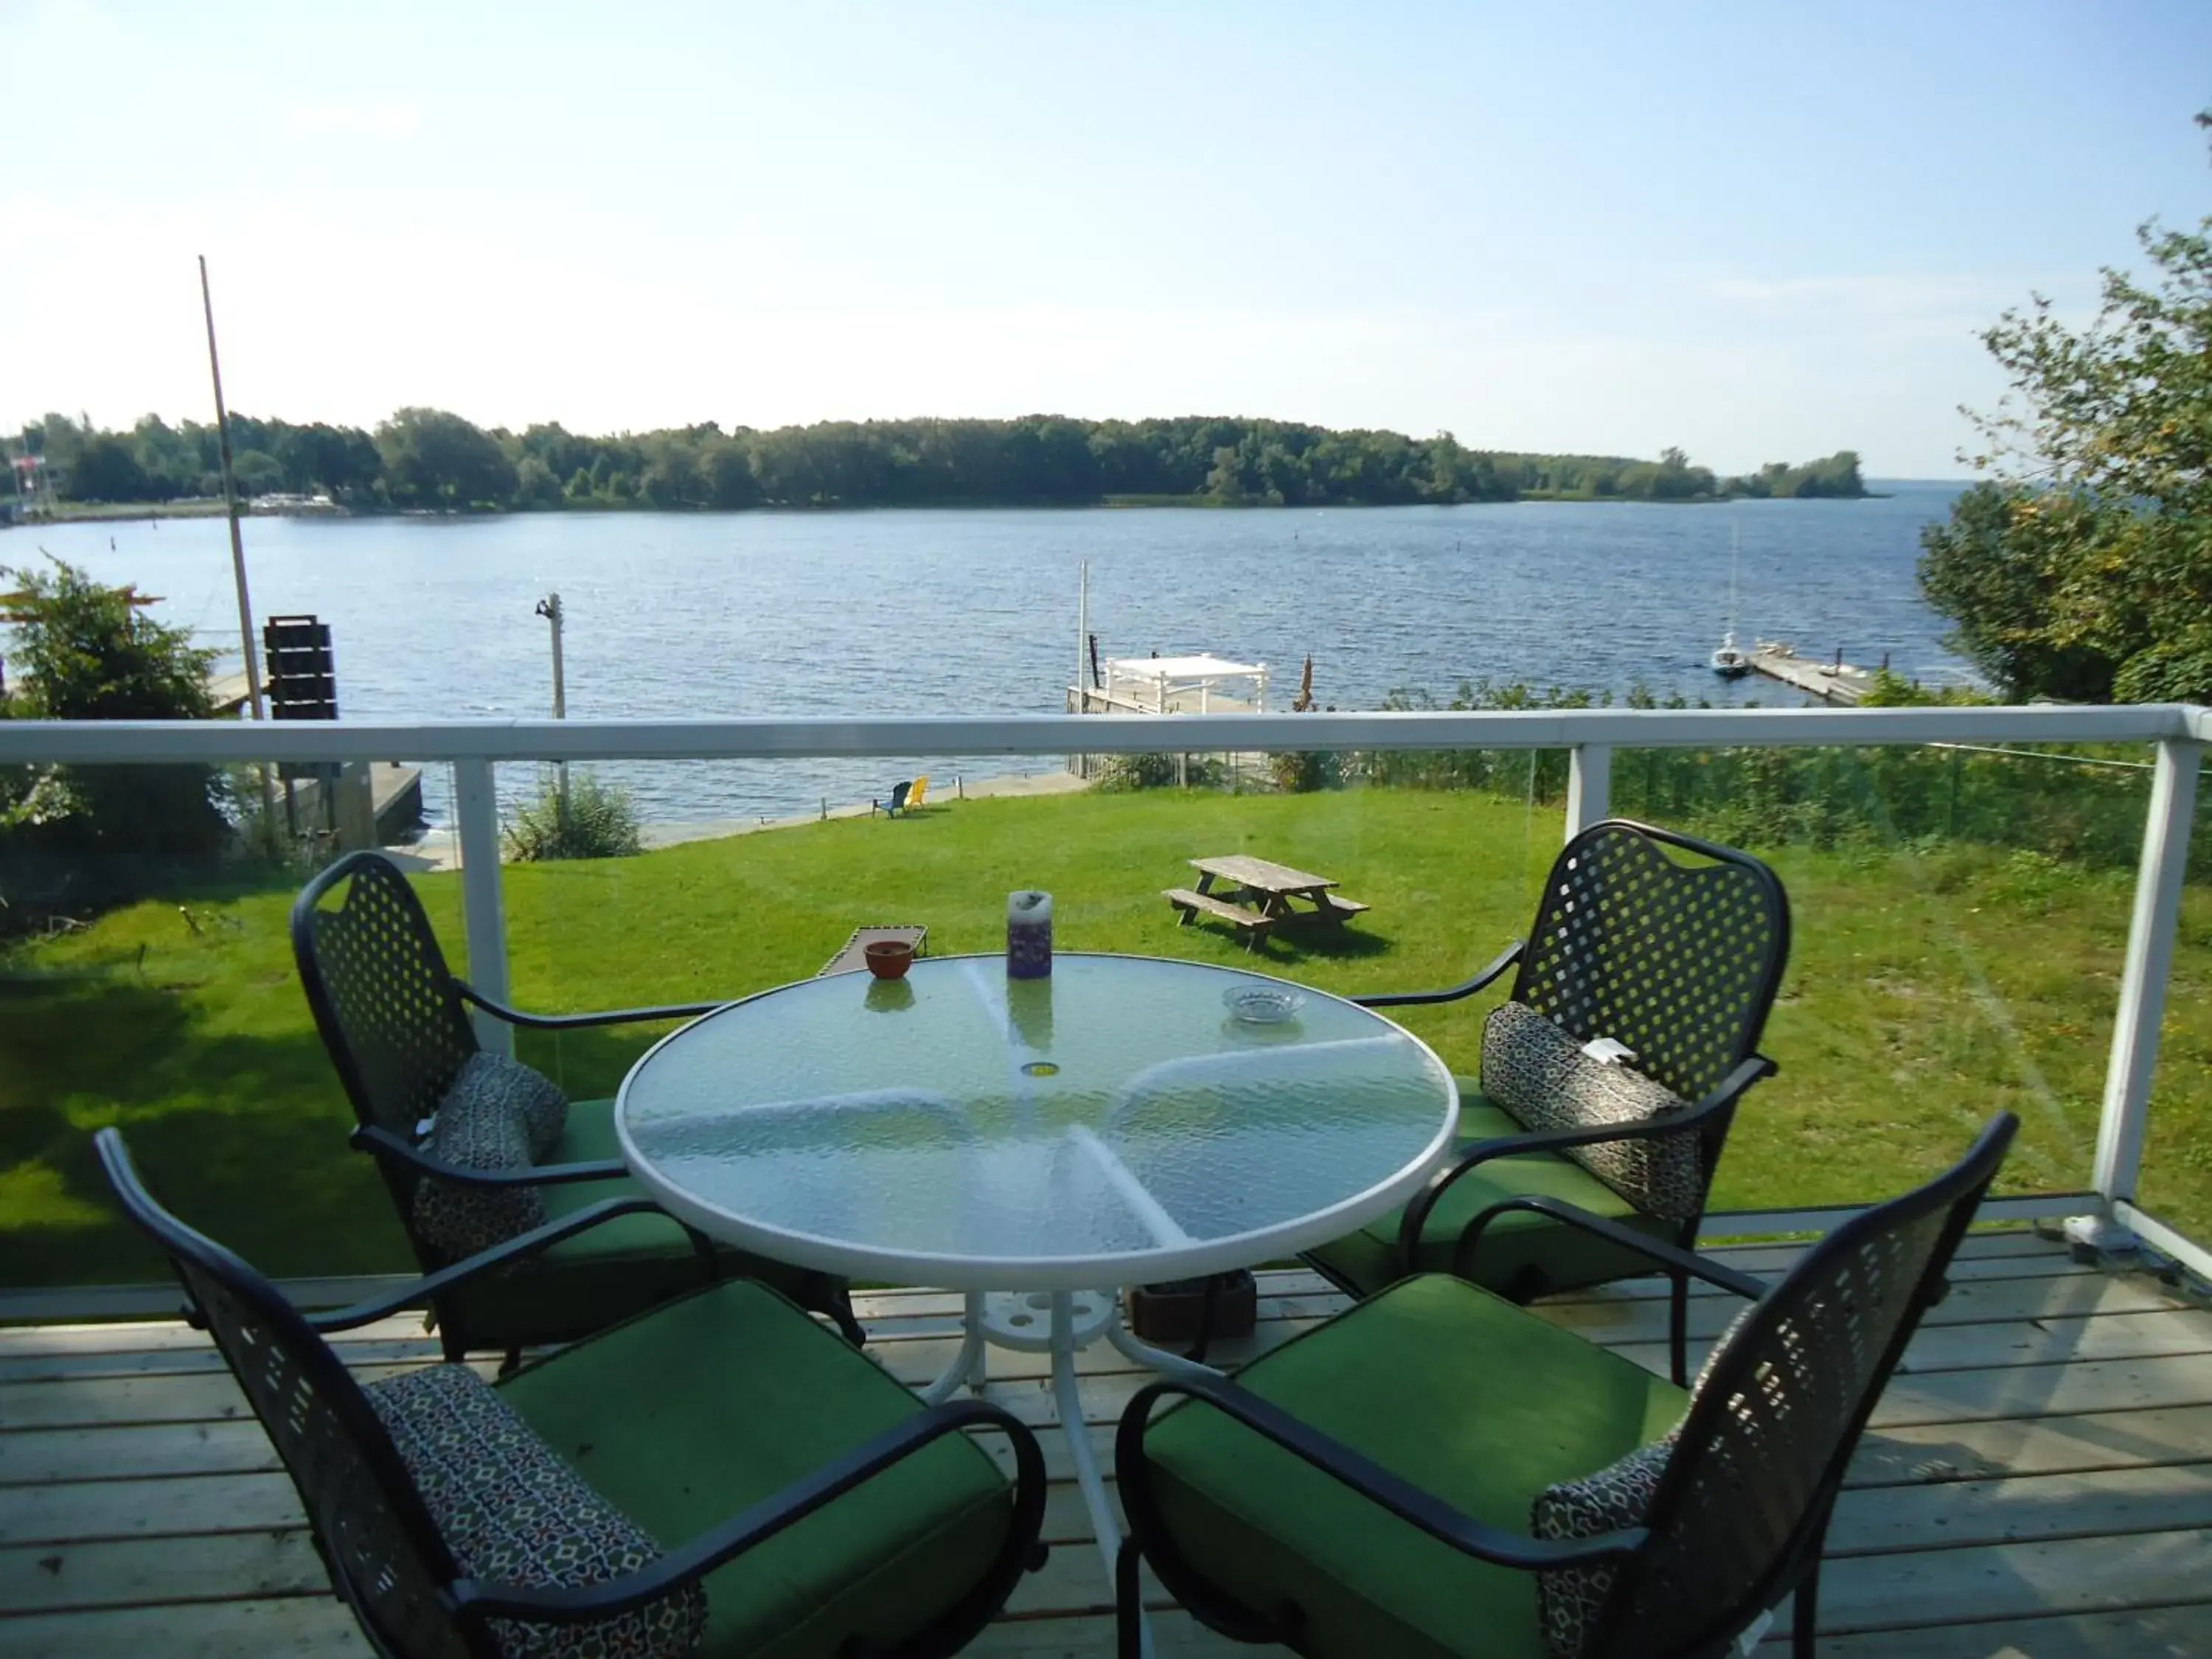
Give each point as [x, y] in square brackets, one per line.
[1542, 1079]
[458, 1220]
[1617, 1496]
[513, 1512]
[494, 1080]
[1568, 1599]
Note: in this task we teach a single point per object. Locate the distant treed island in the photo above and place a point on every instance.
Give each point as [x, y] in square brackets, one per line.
[429, 459]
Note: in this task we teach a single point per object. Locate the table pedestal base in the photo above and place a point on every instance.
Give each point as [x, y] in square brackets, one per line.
[1060, 1323]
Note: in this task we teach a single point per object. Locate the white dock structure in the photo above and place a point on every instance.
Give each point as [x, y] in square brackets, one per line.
[1196, 683]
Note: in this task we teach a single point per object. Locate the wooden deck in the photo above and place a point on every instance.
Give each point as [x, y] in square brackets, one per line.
[2039, 1485]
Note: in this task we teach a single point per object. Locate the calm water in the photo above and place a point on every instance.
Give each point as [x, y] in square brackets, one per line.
[976, 611]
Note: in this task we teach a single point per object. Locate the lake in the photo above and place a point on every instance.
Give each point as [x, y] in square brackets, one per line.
[974, 611]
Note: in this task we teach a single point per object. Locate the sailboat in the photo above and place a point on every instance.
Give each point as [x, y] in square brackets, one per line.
[1729, 660]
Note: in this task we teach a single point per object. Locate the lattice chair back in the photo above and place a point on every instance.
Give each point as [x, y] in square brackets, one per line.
[385, 1554]
[1680, 961]
[383, 998]
[1741, 1511]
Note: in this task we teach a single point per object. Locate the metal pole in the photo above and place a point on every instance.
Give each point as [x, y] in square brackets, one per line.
[484, 907]
[2143, 976]
[549, 608]
[230, 502]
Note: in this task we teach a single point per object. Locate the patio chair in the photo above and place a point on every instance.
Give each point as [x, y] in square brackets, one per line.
[918, 797]
[1436, 1473]
[395, 1020]
[610, 1499]
[901, 792]
[1678, 960]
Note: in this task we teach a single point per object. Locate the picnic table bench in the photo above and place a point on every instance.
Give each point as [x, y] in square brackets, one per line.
[1260, 897]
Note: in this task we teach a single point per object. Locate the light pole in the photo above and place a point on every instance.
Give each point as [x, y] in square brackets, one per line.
[549, 608]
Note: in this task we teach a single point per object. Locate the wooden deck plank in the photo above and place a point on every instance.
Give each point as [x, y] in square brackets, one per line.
[78, 1510]
[2168, 1331]
[298, 1628]
[2162, 1497]
[2039, 1486]
[2179, 1633]
[2007, 1581]
[1910, 1454]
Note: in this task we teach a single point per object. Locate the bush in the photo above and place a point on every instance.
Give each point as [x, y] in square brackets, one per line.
[91, 835]
[1300, 772]
[598, 821]
[1120, 773]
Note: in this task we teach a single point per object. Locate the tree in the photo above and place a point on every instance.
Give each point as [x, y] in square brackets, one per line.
[535, 485]
[258, 473]
[87, 652]
[729, 482]
[434, 458]
[2083, 568]
[107, 470]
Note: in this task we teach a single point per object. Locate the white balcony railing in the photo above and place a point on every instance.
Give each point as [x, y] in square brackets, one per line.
[474, 748]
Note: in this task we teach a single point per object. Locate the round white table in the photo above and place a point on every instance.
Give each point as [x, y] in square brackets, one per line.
[1037, 1144]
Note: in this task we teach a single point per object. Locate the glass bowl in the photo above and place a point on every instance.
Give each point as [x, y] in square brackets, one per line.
[1262, 1005]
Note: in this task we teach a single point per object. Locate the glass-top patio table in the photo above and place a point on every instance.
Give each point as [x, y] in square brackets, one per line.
[1035, 1143]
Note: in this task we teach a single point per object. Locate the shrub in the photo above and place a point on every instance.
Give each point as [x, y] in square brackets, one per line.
[87, 836]
[1300, 772]
[1126, 772]
[598, 821]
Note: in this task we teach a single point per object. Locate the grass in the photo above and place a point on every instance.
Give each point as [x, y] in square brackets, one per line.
[1925, 991]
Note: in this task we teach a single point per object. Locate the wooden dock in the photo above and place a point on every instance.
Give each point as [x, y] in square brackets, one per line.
[1835, 681]
[2038, 1481]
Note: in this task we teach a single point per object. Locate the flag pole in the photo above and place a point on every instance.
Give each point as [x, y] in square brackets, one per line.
[230, 502]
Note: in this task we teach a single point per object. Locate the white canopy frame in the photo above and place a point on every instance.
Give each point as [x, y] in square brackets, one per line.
[1188, 685]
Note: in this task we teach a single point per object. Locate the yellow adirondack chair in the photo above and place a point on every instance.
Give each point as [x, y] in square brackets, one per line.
[914, 801]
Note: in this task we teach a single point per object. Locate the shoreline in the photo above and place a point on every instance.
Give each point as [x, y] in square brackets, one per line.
[439, 847]
[149, 511]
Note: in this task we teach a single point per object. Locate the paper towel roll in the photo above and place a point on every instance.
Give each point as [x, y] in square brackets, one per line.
[1029, 935]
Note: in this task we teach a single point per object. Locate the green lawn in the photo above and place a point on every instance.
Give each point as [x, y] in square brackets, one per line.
[1925, 991]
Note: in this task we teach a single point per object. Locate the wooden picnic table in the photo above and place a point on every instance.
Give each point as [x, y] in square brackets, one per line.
[1259, 897]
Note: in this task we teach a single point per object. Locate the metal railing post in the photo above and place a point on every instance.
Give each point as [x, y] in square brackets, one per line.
[484, 907]
[1589, 786]
[2143, 977]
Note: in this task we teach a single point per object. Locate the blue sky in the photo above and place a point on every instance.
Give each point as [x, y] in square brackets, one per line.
[1758, 231]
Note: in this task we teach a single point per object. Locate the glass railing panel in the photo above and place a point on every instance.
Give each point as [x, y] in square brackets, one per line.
[147, 983]
[1959, 918]
[1447, 866]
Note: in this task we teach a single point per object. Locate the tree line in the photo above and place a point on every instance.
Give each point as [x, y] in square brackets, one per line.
[429, 458]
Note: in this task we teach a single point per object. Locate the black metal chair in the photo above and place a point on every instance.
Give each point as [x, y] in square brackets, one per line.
[1388, 1482]
[615, 1482]
[1677, 958]
[395, 1020]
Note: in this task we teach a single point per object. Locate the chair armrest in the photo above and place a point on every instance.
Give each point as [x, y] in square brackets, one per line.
[1722, 1099]
[384, 1144]
[475, 1600]
[499, 1256]
[1505, 959]
[1657, 1250]
[577, 1022]
[1388, 1492]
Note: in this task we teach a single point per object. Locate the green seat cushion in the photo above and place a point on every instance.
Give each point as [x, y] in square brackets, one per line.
[1442, 1382]
[603, 1274]
[1521, 1254]
[684, 1417]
